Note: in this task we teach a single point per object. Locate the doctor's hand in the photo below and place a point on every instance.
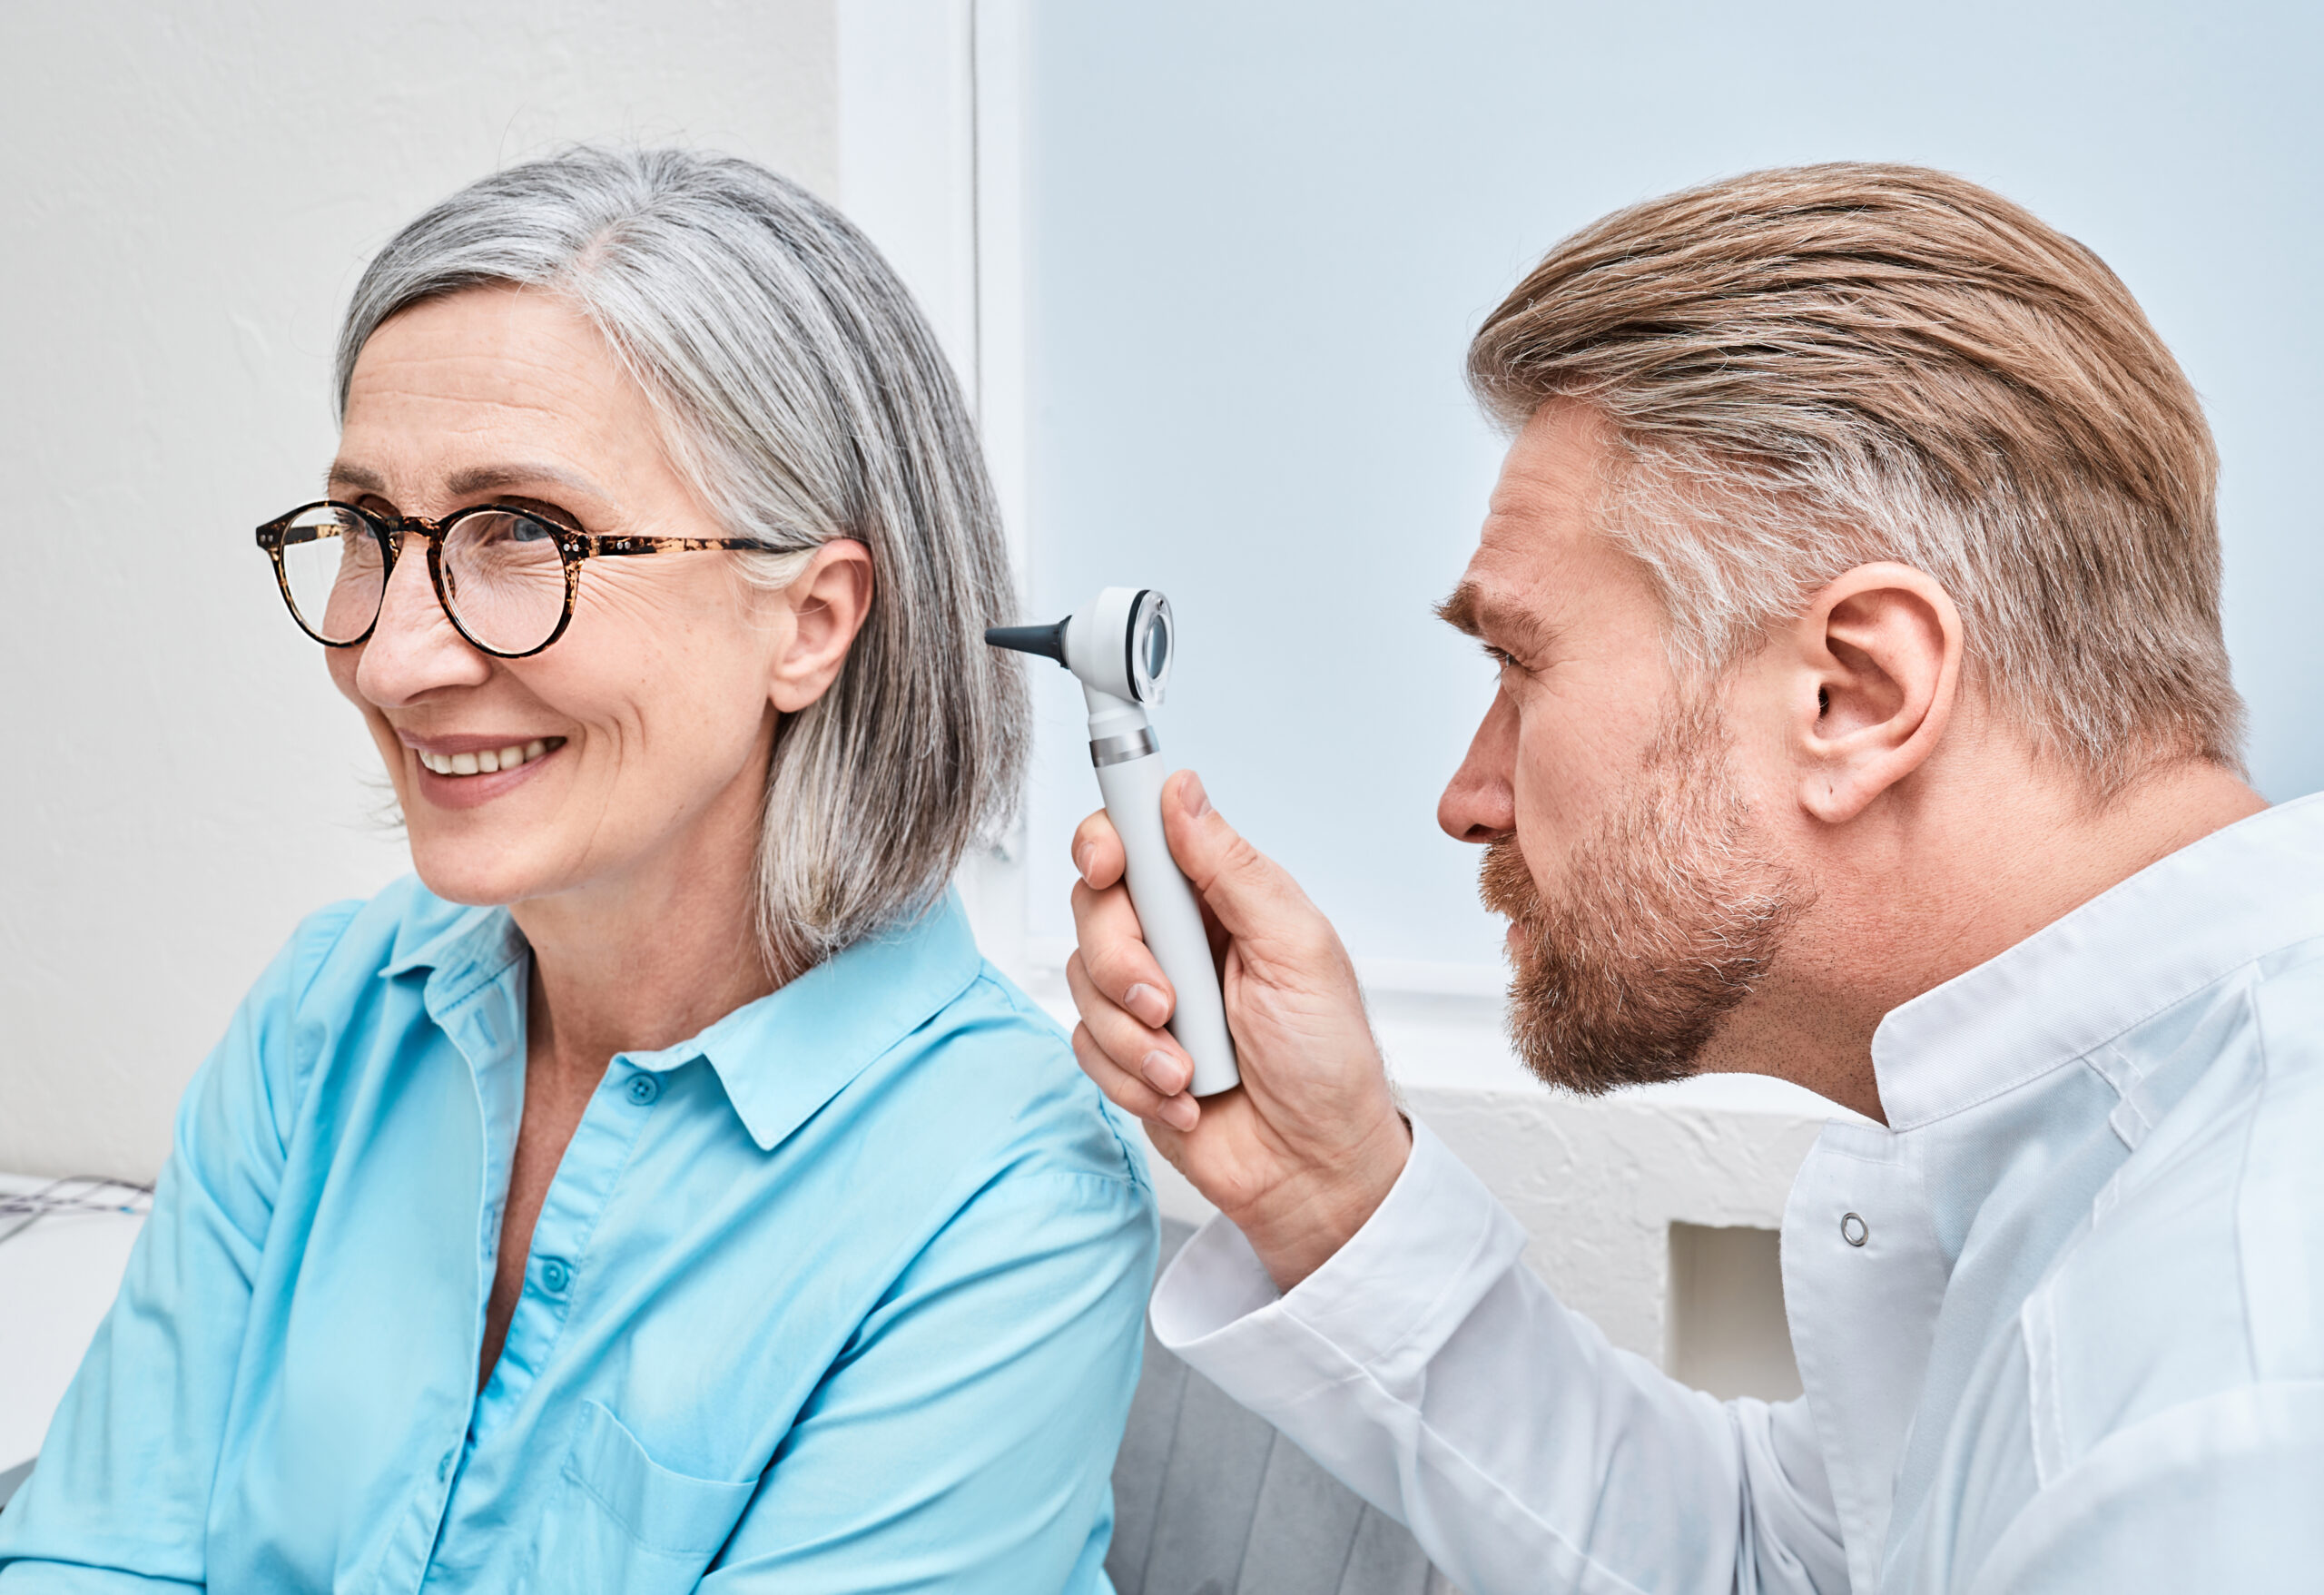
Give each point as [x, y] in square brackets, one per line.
[1301, 1152]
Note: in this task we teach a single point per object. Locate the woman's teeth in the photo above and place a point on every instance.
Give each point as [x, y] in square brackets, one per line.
[488, 760]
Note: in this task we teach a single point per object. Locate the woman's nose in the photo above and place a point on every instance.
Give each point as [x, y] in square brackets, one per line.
[413, 649]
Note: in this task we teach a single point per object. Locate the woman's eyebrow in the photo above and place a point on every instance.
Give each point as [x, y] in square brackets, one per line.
[486, 478]
[343, 474]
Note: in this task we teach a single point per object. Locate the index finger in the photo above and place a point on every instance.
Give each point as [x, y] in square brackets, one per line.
[1098, 854]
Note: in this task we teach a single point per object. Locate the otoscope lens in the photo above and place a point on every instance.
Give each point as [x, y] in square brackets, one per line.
[1157, 643]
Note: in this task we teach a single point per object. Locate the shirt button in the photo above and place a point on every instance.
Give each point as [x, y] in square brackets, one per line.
[644, 1088]
[555, 1275]
[444, 1467]
[1853, 1229]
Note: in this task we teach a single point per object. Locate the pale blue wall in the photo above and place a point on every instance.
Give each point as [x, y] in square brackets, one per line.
[1263, 233]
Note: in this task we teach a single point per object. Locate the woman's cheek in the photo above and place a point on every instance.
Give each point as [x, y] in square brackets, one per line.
[340, 662]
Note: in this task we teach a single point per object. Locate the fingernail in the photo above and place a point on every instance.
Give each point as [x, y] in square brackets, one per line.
[1146, 1003]
[1197, 800]
[1180, 1113]
[1161, 1072]
[1081, 862]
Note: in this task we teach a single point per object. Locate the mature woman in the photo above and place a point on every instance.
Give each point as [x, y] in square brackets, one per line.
[693, 1206]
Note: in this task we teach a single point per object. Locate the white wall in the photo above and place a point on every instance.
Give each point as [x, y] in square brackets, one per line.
[190, 191]
[1598, 1185]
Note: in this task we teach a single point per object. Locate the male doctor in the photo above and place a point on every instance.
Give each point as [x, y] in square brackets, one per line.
[1863, 720]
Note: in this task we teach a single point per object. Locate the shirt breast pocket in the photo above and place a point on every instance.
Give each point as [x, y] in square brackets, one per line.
[623, 1522]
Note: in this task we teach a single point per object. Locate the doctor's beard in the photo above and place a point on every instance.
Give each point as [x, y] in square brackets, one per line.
[1669, 914]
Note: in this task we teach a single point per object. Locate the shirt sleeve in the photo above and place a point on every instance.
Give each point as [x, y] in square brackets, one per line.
[1433, 1373]
[965, 1440]
[120, 1498]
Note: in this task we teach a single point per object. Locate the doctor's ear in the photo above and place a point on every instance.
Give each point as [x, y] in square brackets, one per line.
[828, 604]
[1875, 662]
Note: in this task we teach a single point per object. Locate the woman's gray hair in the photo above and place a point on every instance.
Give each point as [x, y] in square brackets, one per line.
[805, 399]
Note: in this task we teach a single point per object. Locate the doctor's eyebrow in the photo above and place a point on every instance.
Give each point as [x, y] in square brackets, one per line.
[1468, 610]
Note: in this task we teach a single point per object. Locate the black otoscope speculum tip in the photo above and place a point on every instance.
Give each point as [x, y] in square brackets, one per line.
[1048, 641]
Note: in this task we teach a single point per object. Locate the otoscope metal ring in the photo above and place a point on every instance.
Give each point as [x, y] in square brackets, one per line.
[1117, 750]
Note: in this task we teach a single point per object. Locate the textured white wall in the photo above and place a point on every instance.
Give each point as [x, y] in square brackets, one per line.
[1599, 1183]
[192, 188]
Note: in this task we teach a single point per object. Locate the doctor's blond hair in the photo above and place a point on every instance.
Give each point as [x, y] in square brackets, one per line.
[805, 397]
[1810, 368]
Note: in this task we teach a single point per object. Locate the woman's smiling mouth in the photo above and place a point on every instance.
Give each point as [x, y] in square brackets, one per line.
[487, 761]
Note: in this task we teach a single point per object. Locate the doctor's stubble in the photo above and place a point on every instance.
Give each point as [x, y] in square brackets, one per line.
[1669, 913]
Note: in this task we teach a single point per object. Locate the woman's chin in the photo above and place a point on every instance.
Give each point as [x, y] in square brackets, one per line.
[471, 876]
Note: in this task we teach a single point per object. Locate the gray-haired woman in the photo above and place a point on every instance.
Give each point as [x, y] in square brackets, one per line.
[695, 1207]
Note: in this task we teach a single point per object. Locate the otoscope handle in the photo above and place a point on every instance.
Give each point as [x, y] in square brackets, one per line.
[1172, 919]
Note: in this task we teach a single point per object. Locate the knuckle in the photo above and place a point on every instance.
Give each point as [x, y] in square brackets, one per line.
[1124, 1092]
[1117, 968]
[1243, 859]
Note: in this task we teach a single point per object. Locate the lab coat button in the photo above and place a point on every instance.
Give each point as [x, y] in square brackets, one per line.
[555, 1275]
[1853, 1230]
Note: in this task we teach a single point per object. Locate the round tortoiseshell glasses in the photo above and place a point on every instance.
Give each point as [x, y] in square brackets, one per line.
[506, 576]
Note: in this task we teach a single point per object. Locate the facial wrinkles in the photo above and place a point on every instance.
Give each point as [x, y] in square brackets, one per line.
[538, 397]
[656, 689]
[1668, 915]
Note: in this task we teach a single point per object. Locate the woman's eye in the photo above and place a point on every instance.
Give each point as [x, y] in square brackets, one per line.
[524, 528]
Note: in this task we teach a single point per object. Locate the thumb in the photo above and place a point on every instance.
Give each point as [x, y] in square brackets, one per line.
[1249, 892]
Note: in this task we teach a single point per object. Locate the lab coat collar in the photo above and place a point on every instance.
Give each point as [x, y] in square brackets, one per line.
[2155, 938]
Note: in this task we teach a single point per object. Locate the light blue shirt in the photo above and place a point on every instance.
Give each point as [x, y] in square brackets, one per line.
[843, 1294]
[2060, 1321]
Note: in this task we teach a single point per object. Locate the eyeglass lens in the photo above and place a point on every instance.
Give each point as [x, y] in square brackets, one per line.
[504, 579]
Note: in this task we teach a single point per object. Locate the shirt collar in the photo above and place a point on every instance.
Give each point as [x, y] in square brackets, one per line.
[462, 946]
[781, 1057]
[784, 1056]
[2124, 956]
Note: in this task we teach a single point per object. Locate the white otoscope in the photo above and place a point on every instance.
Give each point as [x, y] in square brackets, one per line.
[1119, 646]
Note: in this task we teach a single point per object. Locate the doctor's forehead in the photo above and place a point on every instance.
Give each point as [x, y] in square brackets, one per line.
[1552, 484]
[1534, 559]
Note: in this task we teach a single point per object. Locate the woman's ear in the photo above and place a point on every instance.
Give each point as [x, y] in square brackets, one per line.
[827, 605]
[1877, 673]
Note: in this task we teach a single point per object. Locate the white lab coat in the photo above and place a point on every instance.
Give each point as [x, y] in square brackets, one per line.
[2081, 1346]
